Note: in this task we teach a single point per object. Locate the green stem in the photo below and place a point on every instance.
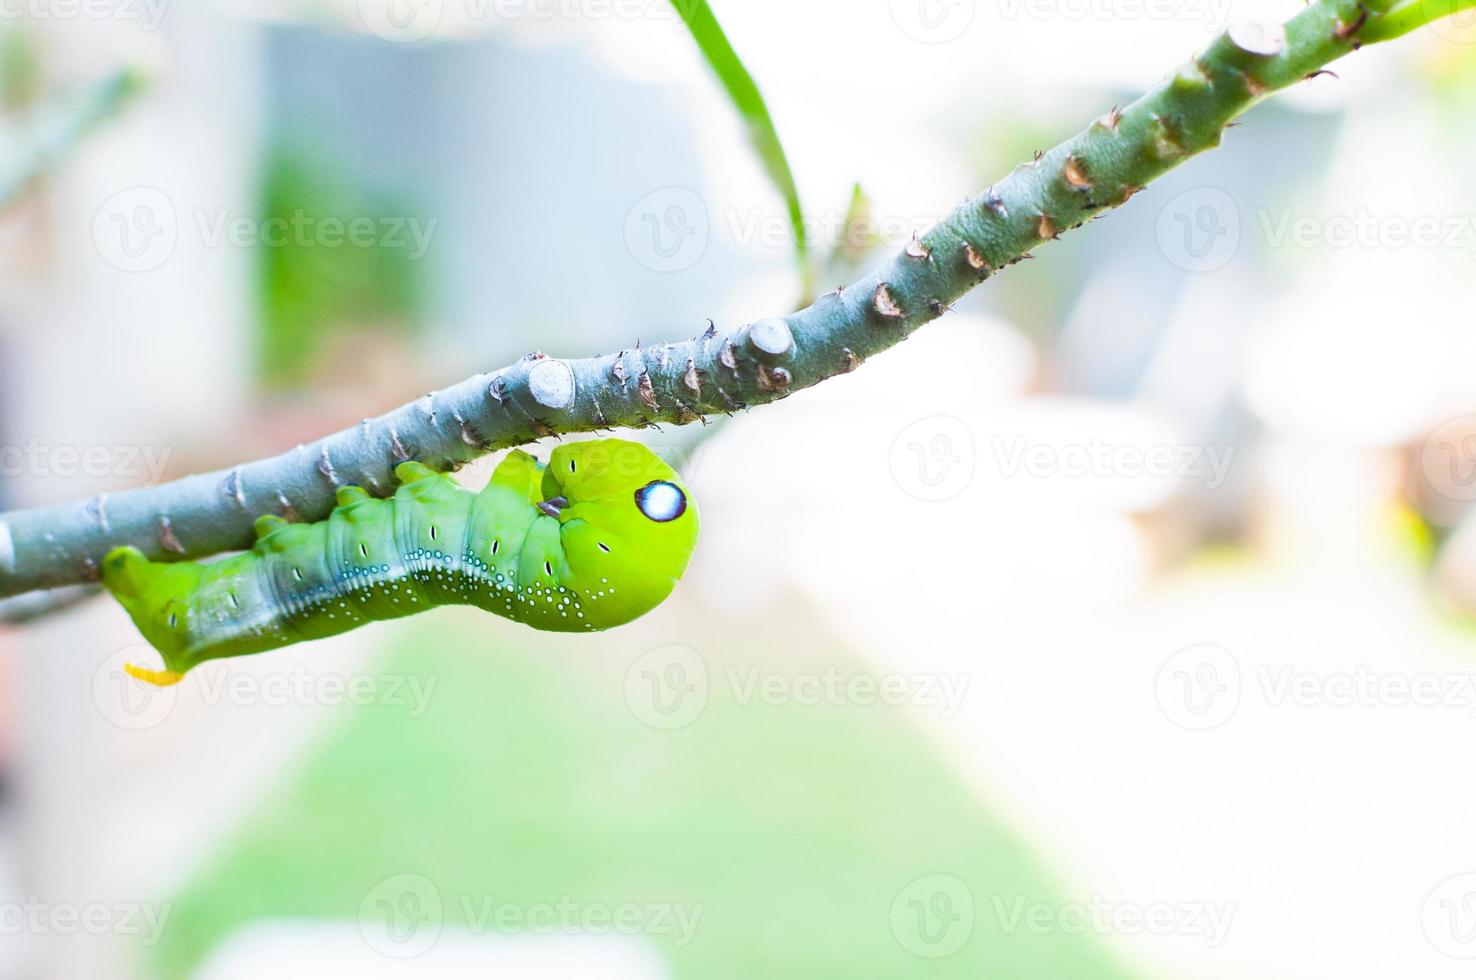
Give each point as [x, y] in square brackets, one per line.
[1405, 17]
[749, 101]
[722, 370]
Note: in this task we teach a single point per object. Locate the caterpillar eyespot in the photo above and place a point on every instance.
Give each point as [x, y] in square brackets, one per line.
[661, 501]
[534, 545]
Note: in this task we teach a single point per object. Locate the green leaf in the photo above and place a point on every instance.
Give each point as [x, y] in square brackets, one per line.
[749, 102]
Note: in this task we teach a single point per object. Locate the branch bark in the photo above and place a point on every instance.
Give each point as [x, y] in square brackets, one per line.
[718, 371]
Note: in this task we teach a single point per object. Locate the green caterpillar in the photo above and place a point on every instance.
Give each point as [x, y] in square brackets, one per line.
[596, 538]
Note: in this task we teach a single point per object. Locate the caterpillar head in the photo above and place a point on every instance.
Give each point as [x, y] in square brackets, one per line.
[625, 517]
[156, 597]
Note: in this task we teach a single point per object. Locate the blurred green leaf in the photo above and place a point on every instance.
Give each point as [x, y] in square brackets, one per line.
[310, 292]
[749, 102]
[51, 129]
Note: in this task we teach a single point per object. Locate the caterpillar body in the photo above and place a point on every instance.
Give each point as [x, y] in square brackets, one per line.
[596, 538]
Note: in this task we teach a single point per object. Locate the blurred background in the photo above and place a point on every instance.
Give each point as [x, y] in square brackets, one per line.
[1116, 625]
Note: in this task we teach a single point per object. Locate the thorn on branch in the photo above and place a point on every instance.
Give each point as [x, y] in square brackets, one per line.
[647, 392]
[233, 488]
[727, 357]
[975, 259]
[97, 509]
[289, 513]
[397, 448]
[325, 466]
[885, 303]
[168, 540]
[1346, 32]
[1075, 174]
[470, 436]
[776, 380]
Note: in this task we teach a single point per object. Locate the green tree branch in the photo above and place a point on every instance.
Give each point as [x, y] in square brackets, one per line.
[719, 371]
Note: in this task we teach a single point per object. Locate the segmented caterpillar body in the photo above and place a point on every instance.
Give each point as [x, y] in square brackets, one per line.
[596, 538]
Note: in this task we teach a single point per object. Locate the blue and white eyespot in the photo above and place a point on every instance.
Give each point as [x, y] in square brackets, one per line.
[661, 501]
